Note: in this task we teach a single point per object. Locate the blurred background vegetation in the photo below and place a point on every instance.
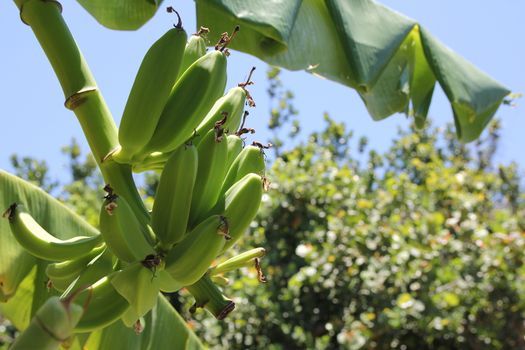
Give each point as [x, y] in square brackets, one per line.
[420, 247]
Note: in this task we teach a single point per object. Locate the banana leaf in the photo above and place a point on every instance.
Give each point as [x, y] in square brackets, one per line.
[121, 14]
[390, 60]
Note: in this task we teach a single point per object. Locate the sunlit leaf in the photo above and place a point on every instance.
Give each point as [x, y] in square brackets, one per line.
[388, 58]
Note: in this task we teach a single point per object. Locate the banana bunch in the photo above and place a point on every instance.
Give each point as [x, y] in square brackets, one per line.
[177, 121]
[210, 188]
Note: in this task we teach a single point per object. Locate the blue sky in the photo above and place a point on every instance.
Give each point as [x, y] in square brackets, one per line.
[35, 123]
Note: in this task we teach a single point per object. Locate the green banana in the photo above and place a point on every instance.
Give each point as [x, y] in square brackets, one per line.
[239, 206]
[173, 199]
[191, 97]
[61, 274]
[155, 78]
[166, 283]
[102, 304]
[213, 155]
[220, 280]
[232, 105]
[40, 243]
[124, 235]
[154, 161]
[250, 160]
[98, 267]
[235, 145]
[242, 260]
[52, 325]
[195, 49]
[139, 285]
[190, 259]
[210, 297]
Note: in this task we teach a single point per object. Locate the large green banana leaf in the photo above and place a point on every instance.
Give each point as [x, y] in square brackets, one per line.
[121, 14]
[388, 58]
[23, 281]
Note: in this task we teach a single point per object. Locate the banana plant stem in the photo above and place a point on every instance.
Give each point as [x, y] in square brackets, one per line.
[82, 95]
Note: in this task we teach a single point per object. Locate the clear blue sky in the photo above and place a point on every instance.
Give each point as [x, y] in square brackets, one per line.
[35, 123]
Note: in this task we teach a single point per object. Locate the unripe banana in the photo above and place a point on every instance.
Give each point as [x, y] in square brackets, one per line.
[139, 285]
[103, 306]
[40, 243]
[154, 161]
[98, 267]
[190, 259]
[242, 260]
[239, 206]
[213, 155]
[173, 199]
[62, 274]
[52, 324]
[208, 296]
[235, 145]
[232, 105]
[193, 95]
[166, 283]
[195, 49]
[249, 160]
[130, 317]
[122, 231]
[156, 76]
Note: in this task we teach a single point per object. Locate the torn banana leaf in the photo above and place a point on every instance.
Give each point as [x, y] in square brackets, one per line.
[390, 60]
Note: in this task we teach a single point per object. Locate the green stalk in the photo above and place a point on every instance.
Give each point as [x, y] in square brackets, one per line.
[210, 297]
[81, 93]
